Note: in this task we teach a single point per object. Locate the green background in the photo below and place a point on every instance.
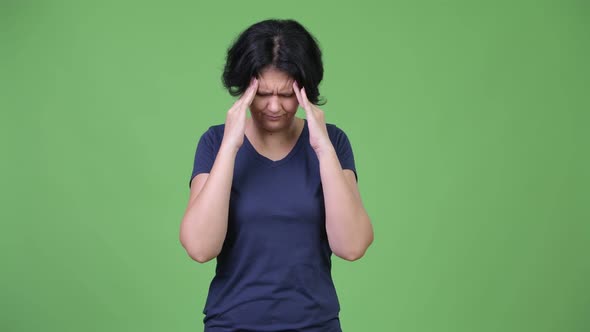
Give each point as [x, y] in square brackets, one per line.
[469, 122]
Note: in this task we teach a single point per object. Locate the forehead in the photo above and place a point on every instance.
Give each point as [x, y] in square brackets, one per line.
[274, 80]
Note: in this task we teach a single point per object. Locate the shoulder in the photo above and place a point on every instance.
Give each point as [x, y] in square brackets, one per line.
[212, 137]
[216, 129]
[334, 129]
[336, 134]
[342, 146]
[214, 133]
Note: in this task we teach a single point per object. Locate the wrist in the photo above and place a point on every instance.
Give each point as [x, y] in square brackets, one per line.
[325, 151]
[228, 148]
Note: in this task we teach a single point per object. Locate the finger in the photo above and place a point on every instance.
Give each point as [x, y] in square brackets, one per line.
[251, 92]
[304, 98]
[244, 97]
[298, 93]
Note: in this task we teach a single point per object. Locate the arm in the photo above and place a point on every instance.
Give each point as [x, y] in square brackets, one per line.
[348, 226]
[204, 224]
[347, 223]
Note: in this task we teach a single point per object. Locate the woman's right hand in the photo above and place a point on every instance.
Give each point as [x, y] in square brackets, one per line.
[235, 122]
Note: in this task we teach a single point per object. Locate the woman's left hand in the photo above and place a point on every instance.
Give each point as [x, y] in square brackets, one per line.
[316, 123]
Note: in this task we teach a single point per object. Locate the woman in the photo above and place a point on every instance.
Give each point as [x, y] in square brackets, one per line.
[274, 195]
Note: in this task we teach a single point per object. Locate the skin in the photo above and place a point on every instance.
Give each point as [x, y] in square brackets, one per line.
[273, 129]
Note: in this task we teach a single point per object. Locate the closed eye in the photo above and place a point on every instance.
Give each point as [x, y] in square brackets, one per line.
[283, 95]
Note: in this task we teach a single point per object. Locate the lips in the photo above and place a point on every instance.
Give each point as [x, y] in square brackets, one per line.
[273, 118]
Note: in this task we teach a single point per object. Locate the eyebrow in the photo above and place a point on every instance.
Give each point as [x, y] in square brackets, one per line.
[280, 92]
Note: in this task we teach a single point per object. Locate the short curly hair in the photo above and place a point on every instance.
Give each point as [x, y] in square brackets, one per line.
[283, 44]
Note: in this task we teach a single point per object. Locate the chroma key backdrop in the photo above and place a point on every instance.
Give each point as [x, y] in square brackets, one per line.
[469, 122]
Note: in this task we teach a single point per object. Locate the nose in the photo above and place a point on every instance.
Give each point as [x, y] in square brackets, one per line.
[274, 104]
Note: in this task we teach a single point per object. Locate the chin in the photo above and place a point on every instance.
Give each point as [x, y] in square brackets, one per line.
[275, 125]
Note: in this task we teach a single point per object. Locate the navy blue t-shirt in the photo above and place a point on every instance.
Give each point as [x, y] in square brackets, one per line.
[274, 270]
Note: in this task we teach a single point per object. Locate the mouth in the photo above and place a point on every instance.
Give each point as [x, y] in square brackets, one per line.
[273, 118]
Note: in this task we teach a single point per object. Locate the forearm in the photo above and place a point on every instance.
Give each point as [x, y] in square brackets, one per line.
[347, 224]
[204, 225]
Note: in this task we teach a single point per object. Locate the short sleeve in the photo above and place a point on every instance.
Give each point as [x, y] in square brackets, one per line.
[205, 154]
[343, 149]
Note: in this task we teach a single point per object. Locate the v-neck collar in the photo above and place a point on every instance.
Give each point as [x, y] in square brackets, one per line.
[275, 163]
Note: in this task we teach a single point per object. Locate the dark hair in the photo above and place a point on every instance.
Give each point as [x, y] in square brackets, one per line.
[283, 44]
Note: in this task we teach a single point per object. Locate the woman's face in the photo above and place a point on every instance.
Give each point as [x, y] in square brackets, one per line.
[275, 103]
